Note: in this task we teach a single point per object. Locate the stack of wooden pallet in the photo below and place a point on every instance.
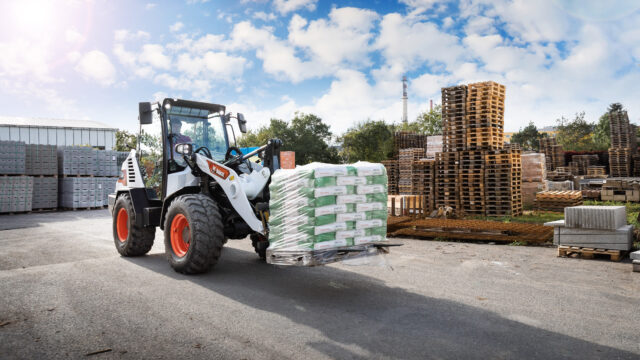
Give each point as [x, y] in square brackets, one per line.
[596, 172]
[472, 182]
[454, 102]
[408, 140]
[423, 180]
[580, 163]
[485, 116]
[392, 175]
[503, 180]
[558, 200]
[623, 144]
[446, 180]
[554, 154]
[405, 169]
[636, 165]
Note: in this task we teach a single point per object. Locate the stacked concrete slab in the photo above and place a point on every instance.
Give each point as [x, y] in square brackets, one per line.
[45, 192]
[77, 160]
[12, 157]
[41, 160]
[106, 163]
[601, 227]
[85, 192]
[15, 193]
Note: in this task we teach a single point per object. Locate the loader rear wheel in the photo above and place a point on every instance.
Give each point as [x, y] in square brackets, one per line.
[129, 238]
[193, 234]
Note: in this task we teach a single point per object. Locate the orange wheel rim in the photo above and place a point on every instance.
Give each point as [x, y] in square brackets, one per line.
[180, 235]
[122, 225]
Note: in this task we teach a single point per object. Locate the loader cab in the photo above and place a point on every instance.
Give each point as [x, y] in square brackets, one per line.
[164, 125]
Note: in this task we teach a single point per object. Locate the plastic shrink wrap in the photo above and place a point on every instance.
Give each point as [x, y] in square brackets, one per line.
[322, 213]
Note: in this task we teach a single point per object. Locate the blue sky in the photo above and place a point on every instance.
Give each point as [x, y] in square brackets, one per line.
[341, 60]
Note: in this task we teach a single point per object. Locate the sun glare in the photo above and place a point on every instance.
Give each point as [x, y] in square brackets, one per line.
[33, 16]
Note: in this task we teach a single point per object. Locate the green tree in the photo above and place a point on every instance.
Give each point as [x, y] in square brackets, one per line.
[576, 134]
[306, 134]
[368, 141]
[430, 122]
[125, 141]
[528, 137]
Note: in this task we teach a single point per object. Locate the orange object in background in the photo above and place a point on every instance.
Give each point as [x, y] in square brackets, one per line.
[287, 159]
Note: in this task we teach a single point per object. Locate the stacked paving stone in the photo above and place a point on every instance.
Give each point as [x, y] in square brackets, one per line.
[597, 227]
[106, 163]
[85, 192]
[15, 193]
[77, 160]
[12, 157]
[45, 192]
[41, 159]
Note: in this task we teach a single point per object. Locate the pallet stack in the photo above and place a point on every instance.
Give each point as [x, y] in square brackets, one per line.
[392, 175]
[446, 180]
[554, 154]
[636, 165]
[485, 116]
[408, 140]
[454, 105]
[503, 180]
[12, 157]
[596, 172]
[471, 181]
[579, 163]
[621, 190]
[423, 180]
[42, 164]
[623, 144]
[405, 169]
[558, 200]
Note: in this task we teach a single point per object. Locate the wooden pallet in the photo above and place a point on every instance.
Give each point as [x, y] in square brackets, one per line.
[589, 253]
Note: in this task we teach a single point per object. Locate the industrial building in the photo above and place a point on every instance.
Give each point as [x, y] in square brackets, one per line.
[60, 132]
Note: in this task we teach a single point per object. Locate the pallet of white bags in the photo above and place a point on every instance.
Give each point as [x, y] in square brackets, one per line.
[328, 256]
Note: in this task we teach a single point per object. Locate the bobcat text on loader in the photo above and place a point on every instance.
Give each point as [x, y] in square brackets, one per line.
[186, 178]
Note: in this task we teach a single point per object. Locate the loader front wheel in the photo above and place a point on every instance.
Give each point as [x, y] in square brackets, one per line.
[193, 234]
[129, 238]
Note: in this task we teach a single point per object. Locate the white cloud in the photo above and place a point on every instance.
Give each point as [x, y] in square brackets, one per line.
[150, 6]
[74, 37]
[408, 43]
[95, 65]
[153, 54]
[24, 58]
[261, 15]
[176, 27]
[345, 36]
[122, 35]
[286, 6]
[214, 65]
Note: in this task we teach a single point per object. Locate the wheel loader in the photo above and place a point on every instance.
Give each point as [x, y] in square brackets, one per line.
[188, 177]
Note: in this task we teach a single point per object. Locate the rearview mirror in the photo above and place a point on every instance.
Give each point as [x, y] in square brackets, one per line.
[242, 123]
[184, 149]
[145, 115]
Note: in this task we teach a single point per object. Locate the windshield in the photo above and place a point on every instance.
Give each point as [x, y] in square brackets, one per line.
[197, 127]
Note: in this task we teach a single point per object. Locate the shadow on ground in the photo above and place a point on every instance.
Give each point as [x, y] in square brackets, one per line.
[352, 309]
[35, 219]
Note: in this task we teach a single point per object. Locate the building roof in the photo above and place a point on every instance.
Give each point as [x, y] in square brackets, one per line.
[57, 123]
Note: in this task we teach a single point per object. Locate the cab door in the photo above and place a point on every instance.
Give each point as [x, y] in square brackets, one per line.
[151, 156]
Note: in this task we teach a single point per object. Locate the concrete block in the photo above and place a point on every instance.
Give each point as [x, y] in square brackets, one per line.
[595, 217]
[635, 255]
[619, 239]
[636, 265]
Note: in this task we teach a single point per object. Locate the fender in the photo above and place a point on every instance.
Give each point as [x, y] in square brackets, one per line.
[231, 184]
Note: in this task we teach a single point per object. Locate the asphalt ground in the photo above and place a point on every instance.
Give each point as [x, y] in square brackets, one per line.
[66, 293]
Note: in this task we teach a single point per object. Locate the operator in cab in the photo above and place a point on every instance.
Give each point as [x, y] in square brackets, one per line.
[176, 137]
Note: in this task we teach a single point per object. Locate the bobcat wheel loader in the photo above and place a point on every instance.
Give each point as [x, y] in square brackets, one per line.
[188, 177]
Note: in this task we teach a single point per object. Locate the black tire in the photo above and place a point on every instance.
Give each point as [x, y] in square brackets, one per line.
[203, 234]
[130, 240]
[260, 245]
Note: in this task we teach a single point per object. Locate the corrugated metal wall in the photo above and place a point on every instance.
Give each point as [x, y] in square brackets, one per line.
[101, 138]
